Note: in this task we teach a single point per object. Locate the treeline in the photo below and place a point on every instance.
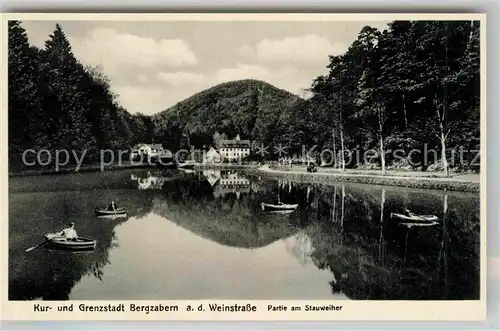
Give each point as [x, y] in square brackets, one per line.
[414, 86]
[55, 102]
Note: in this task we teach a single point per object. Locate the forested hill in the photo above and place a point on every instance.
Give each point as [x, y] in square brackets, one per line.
[254, 109]
[413, 88]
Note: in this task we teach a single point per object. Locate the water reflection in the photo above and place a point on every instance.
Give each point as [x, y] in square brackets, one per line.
[149, 180]
[202, 234]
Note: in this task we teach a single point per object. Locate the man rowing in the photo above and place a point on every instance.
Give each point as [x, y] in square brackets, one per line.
[112, 206]
[69, 233]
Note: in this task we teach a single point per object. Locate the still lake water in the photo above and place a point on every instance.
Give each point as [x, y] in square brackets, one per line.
[203, 235]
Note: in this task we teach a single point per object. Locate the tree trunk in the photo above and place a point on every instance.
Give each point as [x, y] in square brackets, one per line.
[404, 111]
[342, 210]
[381, 137]
[443, 150]
[334, 150]
[442, 136]
[382, 156]
[342, 159]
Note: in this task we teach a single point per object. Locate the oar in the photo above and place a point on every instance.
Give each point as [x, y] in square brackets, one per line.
[39, 245]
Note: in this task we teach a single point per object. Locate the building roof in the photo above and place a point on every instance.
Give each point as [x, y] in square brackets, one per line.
[212, 152]
[233, 143]
[157, 146]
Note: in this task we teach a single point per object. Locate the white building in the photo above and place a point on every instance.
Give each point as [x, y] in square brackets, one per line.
[212, 156]
[234, 149]
[147, 149]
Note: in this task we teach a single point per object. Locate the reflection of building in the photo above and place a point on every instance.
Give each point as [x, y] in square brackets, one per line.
[234, 149]
[149, 182]
[233, 179]
[212, 176]
[225, 182]
[212, 156]
[300, 247]
[232, 185]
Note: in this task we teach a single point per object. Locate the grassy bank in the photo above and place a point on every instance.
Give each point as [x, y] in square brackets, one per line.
[463, 183]
[226, 166]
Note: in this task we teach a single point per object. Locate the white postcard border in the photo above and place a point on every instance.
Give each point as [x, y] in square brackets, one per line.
[351, 310]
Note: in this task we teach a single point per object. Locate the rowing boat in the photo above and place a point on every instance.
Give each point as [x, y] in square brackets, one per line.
[113, 216]
[414, 218]
[279, 206]
[80, 244]
[105, 212]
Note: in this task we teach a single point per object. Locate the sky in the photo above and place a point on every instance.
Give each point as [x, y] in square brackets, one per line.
[154, 65]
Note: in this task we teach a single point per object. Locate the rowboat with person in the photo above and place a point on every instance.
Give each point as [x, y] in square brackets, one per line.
[67, 239]
[410, 217]
[111, 210]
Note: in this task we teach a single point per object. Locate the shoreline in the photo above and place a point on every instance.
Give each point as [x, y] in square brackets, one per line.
[426, 181]
[456, 182]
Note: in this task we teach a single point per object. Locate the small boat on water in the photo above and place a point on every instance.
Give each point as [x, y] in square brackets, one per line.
[410, 217]
[81, 244]
[113, 216]
[280, 206]
[105, 212]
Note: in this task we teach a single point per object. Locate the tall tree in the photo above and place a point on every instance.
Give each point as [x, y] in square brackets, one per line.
[372, 99]
[61, 76]
[25, 118]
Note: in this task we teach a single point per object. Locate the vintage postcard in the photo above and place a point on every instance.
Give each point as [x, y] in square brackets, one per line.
[244, 167]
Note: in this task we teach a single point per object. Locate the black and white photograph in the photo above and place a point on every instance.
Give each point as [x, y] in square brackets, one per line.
[274, 159]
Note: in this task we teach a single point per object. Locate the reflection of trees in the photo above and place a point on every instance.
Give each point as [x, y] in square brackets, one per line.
[365, 249]
[300, 247]
[227, 220]
[51, 274]
[344, 229]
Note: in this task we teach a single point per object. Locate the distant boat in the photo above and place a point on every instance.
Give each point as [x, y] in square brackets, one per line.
[80, 244]
[113, 216]
[414, 218]
[105, 212]
[278, 207]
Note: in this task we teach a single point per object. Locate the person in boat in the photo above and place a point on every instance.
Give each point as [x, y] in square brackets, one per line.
[408, 212]
[69, 233]
[112, 206]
